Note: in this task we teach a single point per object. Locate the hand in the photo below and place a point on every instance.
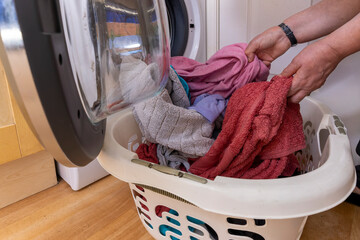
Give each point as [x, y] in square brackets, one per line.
[310, 68]
[268, 45]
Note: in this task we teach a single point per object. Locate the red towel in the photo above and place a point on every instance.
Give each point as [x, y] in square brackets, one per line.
[227, 70]
[148, 152]
[259, 122]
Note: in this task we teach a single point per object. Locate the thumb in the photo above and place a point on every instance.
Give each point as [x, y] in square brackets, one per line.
[290, 70]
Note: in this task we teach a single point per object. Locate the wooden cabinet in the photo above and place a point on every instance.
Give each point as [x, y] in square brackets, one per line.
[25, 167]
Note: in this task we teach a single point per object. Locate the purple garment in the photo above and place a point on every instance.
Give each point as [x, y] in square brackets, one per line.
[227, 70]
[210, 106]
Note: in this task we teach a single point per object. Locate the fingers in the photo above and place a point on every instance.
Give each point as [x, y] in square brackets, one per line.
[296, 92]
[267, 63]
[290, 70]
[250, 51]
[298, 96]
[250, 56]
[300, 87]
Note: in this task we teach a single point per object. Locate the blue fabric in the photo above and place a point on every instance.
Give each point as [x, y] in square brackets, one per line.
[210, 106]
[184, 84]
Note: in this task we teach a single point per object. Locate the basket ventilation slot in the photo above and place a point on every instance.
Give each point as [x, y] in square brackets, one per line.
[251, 235]
[237, 221]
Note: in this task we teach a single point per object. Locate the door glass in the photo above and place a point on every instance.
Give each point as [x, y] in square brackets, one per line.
[118, 50]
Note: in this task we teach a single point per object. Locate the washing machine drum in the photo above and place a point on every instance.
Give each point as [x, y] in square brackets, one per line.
[178, 26]
[73, 63]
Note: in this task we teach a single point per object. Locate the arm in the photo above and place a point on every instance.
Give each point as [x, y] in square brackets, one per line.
[314, 64]
[314, 22]
[322, 18]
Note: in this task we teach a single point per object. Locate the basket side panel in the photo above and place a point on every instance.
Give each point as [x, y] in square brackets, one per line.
[168, 218]
[315, 135]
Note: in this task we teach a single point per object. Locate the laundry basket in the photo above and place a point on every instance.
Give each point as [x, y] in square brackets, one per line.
[177, 205]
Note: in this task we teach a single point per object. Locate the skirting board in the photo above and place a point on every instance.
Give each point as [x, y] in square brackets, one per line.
[26, 176]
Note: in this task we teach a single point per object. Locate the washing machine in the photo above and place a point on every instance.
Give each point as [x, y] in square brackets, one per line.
[187, 36]
[63, 59]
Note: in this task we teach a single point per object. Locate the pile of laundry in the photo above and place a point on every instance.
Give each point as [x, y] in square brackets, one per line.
[222, 118]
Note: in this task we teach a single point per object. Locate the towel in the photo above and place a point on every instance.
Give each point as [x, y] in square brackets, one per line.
[147, 152]
[227, 70]
[164, 119]
[176, 91]
[183, 83]
[259, 122]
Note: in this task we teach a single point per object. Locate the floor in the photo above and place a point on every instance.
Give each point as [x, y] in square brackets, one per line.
[105, 210]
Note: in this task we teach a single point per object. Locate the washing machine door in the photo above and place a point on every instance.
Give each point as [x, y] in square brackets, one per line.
[73, 63]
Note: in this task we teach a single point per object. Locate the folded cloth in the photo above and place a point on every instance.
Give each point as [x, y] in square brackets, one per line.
[258, 122]
[172, 158]
[227, 70]
[176, 90]
[210, 106]
[147, 152]
[174, 126]
[183, 83]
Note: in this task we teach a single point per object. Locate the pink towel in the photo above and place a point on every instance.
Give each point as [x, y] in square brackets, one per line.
[227, 70]
[260, 133]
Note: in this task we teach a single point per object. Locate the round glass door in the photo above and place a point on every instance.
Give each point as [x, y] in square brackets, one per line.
[118, 49]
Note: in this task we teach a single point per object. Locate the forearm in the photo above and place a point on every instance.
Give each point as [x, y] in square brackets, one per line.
[345, 40]
[322, 18]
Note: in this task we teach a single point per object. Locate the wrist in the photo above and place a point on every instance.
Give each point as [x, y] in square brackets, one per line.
[289, 34]
[334, 51]
[280, 36]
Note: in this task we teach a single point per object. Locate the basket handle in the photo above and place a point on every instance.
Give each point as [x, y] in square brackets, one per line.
[170, 171]
[330, 124]
[338, 125]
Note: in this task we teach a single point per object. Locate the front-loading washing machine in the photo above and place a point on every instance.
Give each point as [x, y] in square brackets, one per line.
[61, 40]
[187, 36]
[73, 63]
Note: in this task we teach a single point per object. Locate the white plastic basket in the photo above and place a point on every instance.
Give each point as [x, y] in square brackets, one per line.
[230, 208]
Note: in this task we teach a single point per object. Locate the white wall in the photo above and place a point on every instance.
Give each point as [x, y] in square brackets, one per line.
[232, 21]
[241, 20]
